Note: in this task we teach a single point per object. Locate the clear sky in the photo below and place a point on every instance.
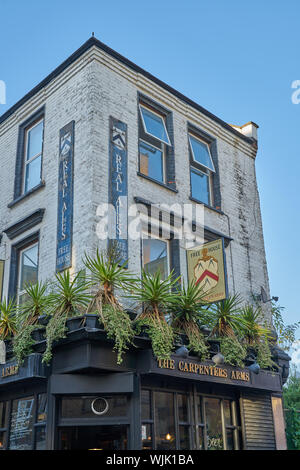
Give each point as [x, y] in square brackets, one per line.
[237, 59]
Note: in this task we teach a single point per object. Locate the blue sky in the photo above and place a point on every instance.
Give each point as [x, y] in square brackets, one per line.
[237, 59]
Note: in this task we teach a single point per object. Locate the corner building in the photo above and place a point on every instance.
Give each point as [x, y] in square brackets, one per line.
[173, 151]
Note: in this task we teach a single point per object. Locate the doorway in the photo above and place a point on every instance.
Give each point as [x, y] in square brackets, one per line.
[93, 438]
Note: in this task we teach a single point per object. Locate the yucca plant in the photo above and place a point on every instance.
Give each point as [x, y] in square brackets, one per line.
[107, 275]
[189, 312]
[69, 298]
[154, 295]
[257, 335]
[225, 318]
[8, 319]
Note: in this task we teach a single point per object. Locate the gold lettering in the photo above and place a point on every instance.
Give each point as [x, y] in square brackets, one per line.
[206, 370]
[186, 368]
[172, 364]
[192, 367]
[180, 365]
[233, 375]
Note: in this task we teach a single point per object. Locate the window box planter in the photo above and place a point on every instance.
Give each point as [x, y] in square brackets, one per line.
[89, 320]
[39, 334]
[44, 320]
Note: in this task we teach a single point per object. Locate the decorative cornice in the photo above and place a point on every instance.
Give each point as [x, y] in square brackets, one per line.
[24, 224]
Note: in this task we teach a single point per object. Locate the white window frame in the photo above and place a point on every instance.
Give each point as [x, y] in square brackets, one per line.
[153, 237]
[27, 162]
[163, 122]
[193, 155]
[20, 254]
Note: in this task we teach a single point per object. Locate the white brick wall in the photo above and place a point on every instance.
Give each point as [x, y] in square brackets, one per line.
[89, 92]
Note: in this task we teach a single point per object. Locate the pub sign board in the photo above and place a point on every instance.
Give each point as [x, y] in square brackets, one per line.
[207, 269]
[118, 186]
[65, 197]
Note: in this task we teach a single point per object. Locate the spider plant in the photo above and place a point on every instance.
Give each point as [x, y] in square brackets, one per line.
[107, 275]
[155, 296]
[8, 320]
[69, 298]
[225, 317]
[188, 312]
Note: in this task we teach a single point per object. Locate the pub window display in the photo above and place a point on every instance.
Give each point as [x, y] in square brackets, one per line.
[182, 421]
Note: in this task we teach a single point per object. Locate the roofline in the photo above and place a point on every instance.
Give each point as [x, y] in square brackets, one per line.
[92, 41]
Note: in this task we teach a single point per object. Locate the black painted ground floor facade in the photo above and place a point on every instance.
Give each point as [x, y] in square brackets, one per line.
[86, 401]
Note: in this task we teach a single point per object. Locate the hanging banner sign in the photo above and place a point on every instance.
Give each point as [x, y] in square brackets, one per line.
[1, 277]
[65, 198]
[118, 185]
[207, 268]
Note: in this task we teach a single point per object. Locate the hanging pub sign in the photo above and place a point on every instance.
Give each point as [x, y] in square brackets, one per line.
[118, 185]
[1, 276]
[207, 268]
[65, 198]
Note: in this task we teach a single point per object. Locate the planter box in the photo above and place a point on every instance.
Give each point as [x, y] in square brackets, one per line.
[92, 321]
[39, 334]
[44, 320]
[75, 323]
[89, 320]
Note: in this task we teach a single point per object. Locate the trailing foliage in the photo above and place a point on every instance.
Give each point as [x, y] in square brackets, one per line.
[8, 319]
[23, 342]
[68, 299]
[107, 275]
[264, 355]
[155, 296]
[233, 351]
[286, 334]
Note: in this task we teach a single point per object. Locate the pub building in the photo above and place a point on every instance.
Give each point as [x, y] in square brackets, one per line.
[99, 129]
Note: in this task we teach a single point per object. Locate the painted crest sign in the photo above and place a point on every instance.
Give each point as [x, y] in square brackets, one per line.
[207, 268]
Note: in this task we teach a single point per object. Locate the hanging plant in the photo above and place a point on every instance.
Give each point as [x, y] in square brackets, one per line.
[107, 275]
[225, 317]
[69, 298]
[189, 312]
[233, 350]
[154, 296]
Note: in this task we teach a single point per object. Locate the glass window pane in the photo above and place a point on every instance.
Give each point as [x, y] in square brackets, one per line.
[155, 256]
[21, 424]
[182, 401]
[164, 421]
[146, 404]
[3, 408]
[42, 407]
[230, 442]
[200, 186]
[29, 266]
[227, 412]
[184, 438]
[35, 140]
[2, 437]
[213, 423]
[81, 407]
[154, 125]
[201, 439]
[151, 162]
[40, 438]
[147, 436]
[199, 409]
[33, 173]
[201, 153]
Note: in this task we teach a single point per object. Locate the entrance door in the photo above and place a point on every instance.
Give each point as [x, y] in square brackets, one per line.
[93, 438]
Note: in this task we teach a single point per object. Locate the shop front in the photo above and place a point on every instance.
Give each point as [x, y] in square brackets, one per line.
[87, 401]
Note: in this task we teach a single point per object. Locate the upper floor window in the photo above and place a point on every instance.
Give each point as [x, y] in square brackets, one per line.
[27, 270]
[153, 141]
[156, 256]
[202, 169]
[33, 155]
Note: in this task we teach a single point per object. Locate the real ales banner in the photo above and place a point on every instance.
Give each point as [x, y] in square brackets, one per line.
[118, 186]
[1, 276]
[207, 268]
[65, 198]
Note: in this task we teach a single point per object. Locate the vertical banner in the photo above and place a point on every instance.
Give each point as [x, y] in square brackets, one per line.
[118, 185]
[1, 277]
[65, 198]
[207, 268]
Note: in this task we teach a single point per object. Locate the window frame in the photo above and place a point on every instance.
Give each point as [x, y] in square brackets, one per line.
[193, 155]
[197, 167]
[161, 116]
[163, 156]
[154, 237]
[27, 162]
[20, 252]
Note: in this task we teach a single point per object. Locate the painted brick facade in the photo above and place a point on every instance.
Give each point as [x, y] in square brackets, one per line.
[89, 90]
